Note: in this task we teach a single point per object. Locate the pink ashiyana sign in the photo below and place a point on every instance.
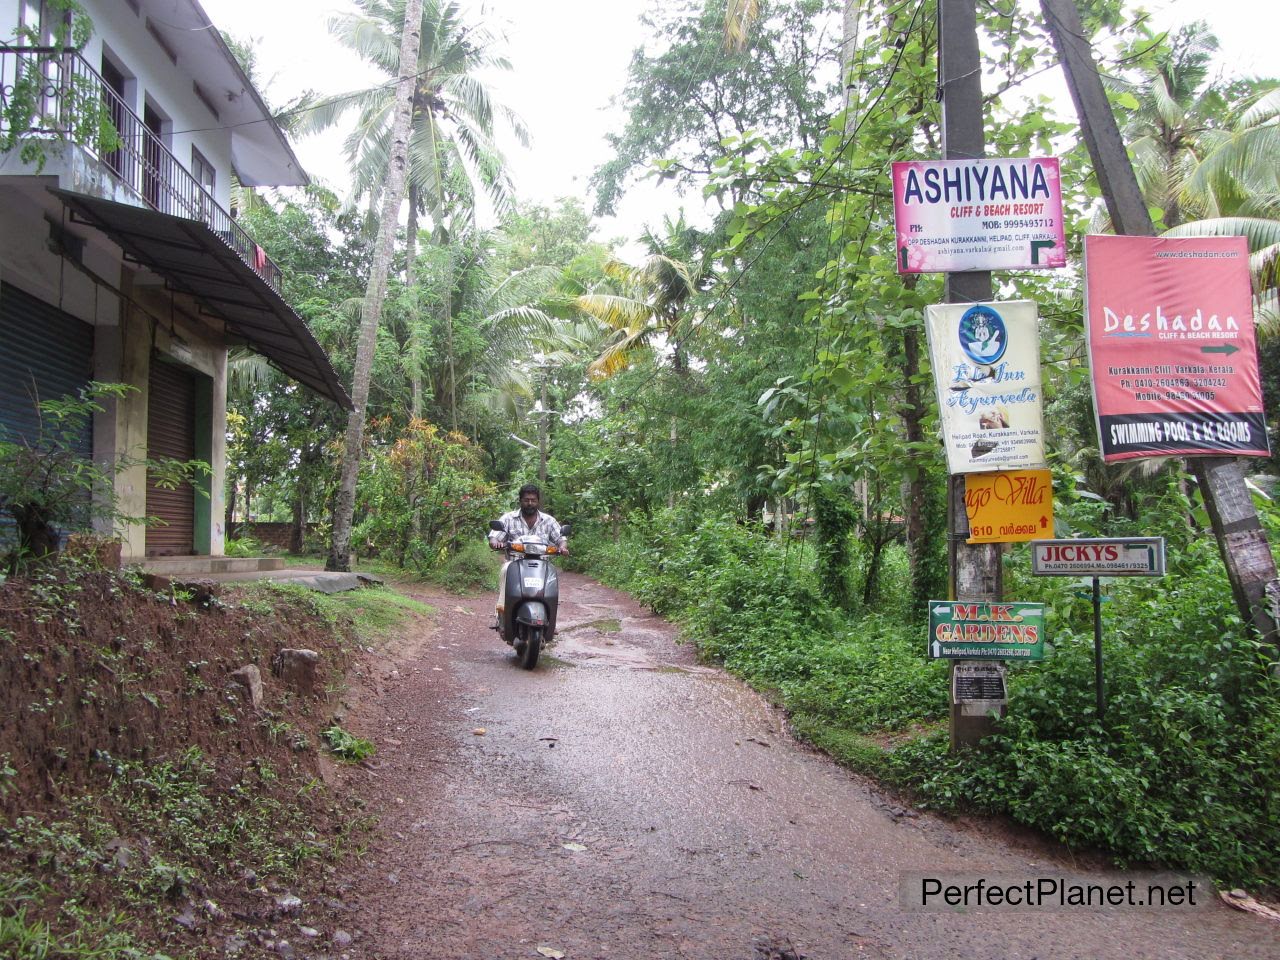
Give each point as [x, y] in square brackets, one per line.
[956, 215]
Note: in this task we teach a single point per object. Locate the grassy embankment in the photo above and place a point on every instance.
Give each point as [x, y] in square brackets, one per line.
[146, 809]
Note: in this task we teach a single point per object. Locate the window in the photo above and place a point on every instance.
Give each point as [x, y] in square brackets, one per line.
[37, 23]
[206, 176]
[32, 23]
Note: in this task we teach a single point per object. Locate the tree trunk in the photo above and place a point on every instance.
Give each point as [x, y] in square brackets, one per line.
[542, 436]
[848, 50]
[37, 538]
[392, 195]
[453, 380]
[675, 436]
[298, 529]
[229, 519]
[415, 334]
[913, 413]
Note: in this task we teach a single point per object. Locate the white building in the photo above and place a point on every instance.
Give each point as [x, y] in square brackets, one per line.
[119, 259]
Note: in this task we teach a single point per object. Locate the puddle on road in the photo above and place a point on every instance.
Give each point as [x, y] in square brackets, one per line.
[588, 648]
[614, 643]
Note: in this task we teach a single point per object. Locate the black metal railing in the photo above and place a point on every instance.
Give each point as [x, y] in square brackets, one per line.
[50, 91]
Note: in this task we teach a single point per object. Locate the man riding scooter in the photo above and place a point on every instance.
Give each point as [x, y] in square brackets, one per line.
[528, 534]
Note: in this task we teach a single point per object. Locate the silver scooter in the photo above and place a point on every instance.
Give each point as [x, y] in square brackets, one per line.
[527, 620]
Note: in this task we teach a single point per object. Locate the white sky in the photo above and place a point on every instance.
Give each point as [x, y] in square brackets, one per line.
[569, 59]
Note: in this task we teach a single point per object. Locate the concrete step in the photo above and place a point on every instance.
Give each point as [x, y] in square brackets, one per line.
[197, 565]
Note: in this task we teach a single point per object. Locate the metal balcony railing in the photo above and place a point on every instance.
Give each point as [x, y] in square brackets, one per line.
[60, 86]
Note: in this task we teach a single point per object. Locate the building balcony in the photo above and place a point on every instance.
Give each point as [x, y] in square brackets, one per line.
[55, 94]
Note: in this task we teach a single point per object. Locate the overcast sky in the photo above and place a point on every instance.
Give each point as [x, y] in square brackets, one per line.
[569, 59]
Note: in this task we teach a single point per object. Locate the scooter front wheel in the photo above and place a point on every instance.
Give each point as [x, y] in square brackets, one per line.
[532, 647]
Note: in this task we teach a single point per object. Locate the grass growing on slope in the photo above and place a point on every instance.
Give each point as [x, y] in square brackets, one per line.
[373, 612]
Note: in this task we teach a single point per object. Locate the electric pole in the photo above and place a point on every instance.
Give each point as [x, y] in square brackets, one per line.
[975, 568]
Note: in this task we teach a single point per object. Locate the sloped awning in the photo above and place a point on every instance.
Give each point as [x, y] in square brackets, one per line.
[196, 261]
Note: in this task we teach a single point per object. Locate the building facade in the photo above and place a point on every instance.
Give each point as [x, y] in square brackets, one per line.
[121, 260]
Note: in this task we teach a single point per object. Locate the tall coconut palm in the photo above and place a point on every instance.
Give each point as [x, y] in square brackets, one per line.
[1207, 154]
[452, 151]
[392, 195]
[1235, 191]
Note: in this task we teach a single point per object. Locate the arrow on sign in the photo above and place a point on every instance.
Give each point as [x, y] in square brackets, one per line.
[1038, 245]
[1149, 551]
[1226, 348]
[902, 257]
[941, 611]
[1044, 522]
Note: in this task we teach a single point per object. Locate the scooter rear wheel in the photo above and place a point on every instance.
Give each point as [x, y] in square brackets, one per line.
[532, 647]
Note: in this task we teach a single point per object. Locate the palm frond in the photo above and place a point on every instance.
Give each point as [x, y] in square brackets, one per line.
[617, 356]
[616, 312]
[739, 17]
[1265, 109]
[1259, 232]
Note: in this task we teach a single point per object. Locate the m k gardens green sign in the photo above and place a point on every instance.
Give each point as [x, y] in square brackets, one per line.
[986, 630]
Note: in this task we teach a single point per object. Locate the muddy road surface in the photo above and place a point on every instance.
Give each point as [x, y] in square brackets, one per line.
[622, 801]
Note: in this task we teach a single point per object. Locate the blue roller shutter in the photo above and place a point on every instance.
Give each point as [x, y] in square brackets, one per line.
[44, 354]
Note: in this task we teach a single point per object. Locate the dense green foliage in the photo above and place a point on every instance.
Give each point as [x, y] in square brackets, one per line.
[741, 419]
[748, 601]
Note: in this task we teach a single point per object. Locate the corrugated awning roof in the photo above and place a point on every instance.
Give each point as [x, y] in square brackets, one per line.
[195, 260]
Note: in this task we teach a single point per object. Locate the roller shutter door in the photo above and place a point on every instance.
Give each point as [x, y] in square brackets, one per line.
[171, 414]
[45, 354]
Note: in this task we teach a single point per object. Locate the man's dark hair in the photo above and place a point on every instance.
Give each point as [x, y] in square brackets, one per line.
[530, 488]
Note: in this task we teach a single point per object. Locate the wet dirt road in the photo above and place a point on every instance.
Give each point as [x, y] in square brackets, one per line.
[623, 802]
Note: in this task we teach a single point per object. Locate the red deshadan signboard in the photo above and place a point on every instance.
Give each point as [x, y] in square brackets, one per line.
[1169, 324]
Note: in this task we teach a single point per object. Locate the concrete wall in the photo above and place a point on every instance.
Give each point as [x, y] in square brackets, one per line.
[26, 260]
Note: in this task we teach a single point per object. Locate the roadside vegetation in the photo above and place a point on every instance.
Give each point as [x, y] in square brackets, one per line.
[738, 416]
[1180, 771]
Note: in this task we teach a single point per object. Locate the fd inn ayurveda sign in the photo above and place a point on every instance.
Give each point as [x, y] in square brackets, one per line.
[986, 369]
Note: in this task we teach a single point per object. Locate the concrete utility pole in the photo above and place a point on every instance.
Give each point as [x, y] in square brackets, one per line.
[1245, 550]
[975, 568]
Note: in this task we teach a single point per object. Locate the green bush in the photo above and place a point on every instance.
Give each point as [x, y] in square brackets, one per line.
[474, 568]
[1183, 768]
[245, 546]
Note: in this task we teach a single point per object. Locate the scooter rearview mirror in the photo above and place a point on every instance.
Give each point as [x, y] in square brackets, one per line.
[566, 529]
[495, 525]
